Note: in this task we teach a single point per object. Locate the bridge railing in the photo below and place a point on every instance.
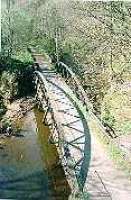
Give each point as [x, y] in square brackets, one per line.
[58, 127]
[45, 90]
[74, 83]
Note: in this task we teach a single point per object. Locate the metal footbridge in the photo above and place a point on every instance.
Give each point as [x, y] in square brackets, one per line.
[64, 102]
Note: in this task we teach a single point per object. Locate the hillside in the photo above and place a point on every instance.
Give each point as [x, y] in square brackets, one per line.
[93, 38]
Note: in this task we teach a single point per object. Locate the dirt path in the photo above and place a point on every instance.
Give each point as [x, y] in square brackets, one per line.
[116, 182]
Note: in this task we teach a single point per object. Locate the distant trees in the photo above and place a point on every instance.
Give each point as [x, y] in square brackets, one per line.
[16, 28]
[99, 36]
[7, 39]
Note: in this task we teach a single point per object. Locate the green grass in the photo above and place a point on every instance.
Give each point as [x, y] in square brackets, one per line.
[114, 152]
[119, 157]
[126, 128]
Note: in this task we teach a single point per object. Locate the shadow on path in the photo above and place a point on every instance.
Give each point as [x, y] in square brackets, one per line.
[81, 168]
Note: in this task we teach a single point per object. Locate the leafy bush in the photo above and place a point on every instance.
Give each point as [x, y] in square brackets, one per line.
[6, 123]
[2, 108]
[23, 56]
[8, 85]
[16, 78]
[44, 45]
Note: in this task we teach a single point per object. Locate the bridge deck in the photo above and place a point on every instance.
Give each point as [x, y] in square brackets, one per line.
[92, 166]
[76, 135]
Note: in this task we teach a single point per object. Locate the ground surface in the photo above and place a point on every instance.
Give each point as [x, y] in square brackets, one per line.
[19, 108]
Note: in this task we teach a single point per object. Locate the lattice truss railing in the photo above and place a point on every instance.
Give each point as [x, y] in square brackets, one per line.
[57, 131]
[57, 137]
[74, 83]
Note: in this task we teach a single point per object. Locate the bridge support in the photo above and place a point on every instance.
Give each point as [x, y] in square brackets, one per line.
[45, 116]
[40, 96]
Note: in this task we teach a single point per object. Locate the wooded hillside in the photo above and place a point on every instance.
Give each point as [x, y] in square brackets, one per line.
[93, 38]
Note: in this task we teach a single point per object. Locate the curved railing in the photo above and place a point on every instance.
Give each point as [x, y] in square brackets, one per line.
[56, 125]
[72, 80]
[78, 183]
[75, 84]
[45, 90]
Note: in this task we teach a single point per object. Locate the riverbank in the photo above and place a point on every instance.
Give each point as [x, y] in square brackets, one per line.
[19, 108]
[10, 123]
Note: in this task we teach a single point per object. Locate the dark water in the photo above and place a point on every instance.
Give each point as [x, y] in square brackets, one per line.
[29, 165]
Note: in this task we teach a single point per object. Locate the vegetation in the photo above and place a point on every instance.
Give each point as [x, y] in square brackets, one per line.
[15, 77]
[93, 38]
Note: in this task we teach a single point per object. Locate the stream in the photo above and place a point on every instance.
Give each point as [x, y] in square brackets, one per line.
[29, 164]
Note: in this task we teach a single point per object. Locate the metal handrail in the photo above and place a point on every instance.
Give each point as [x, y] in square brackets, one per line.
[58, 127]
[81, 94]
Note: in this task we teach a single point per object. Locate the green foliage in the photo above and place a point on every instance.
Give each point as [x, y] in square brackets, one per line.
[108, 117]
[116, 109]
[5, 123]
[66, 55]
[126, 128]
[16, 78]
[23, 57]
[2, 108]
[44, 45]
[93, 38]
[16, 30]
[8, 86]
[49, 46]
[119, 158]
[13, 65]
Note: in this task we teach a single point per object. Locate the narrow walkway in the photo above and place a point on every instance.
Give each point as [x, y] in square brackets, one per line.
[77, 136]
[95, 172]
[116, 182]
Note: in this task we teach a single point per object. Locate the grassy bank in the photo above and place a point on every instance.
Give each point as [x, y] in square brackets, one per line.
[112, 147]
